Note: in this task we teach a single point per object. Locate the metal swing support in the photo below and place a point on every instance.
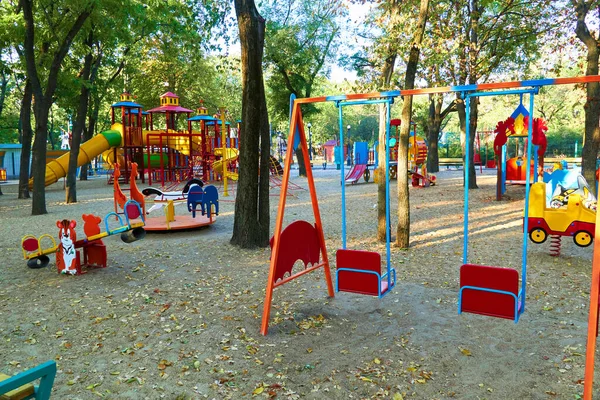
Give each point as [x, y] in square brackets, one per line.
[360, 271]
[489, 290]
[302, 240]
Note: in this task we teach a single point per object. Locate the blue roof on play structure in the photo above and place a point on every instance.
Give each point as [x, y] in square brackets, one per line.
[213, 122]
[202, 118]
[127, 104]
[520, 110]
[135, 111]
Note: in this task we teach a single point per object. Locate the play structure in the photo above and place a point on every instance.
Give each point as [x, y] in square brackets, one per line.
[417, 157]
[21, 387]
[562, 206]
[360, 168]
[515, 170]
[169, 155]
[58, 168]
[571, 218]
[68, 257]
[357, 271]
[275, 178]
[194, 194]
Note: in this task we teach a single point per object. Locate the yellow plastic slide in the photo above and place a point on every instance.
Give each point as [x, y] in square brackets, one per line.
[58, 168]
[230, 155]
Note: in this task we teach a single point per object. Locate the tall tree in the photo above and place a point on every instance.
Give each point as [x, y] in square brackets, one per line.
[43, 90]
[251, 220]
[436, 115]
[403, 230]
[79, 123]
[27, 136]
[301, 39]
[589, 152]
[386, 77]
[487, 39]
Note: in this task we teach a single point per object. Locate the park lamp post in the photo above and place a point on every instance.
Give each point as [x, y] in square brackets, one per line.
[309, 126]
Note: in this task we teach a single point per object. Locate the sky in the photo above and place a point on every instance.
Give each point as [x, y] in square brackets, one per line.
[357, 17]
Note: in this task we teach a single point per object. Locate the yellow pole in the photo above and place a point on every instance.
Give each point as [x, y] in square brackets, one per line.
[224, 152]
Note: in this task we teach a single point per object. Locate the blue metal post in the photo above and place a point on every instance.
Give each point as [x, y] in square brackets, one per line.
[503, 161]
[535, 163]
[467, 99]
[387, 193]
[526, 219]
[342, 180]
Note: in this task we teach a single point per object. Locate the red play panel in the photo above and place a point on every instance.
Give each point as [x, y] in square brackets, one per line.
[358, 281]
[298, 241]
[489, 303]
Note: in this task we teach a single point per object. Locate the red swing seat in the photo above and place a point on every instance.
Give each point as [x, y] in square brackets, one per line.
[359, 272]
[491, 291]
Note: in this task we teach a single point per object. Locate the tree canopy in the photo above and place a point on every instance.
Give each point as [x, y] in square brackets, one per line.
[191, 49]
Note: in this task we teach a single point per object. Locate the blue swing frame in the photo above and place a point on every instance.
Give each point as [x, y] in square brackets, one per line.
[390, 274]
[519, 300]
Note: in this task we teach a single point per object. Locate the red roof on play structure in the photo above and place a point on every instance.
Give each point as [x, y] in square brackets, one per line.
[177, 109]
[169, 94]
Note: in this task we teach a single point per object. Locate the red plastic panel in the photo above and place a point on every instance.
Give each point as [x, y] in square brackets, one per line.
[94, 255]
[359, 282]
[133, 212]
[488, 303]
[299, 241]
[30, 244]
[91, 224]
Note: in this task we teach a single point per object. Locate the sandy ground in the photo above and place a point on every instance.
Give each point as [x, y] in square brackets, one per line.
[177, 316]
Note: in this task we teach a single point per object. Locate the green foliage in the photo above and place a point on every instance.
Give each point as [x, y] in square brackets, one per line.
[301, 41]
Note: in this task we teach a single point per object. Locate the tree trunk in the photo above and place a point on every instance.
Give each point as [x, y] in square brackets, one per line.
[251, 220]
[386, 78]
[434, 122]
[78, 127]
[27, 135]
[462, 116]
[90, 130]
[590, 149]
[403, 229]
[3, 89]
[83, 171]
[94, 105]
[43, 99]
[38, 164]
[381, 149]
[300, 159]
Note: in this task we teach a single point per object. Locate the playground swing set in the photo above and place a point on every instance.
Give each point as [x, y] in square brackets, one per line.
[357, 271]
[486, 290]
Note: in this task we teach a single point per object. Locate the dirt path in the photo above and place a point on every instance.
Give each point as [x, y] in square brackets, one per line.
[177, 316]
